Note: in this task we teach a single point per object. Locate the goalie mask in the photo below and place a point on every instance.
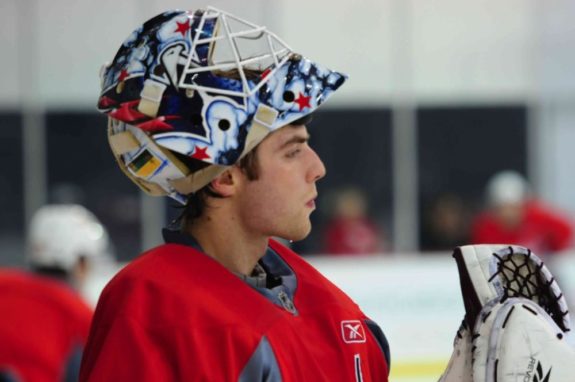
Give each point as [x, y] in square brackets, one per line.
[204, 85]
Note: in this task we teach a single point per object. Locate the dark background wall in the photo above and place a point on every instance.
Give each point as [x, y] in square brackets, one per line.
[11, 179]
[458, 149]
[82, 169]
[355, 146]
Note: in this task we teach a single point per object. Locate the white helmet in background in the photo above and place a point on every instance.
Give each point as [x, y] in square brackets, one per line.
[60, 234]
[507, 187]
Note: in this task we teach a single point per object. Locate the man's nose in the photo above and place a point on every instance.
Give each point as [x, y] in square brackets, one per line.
[317, 168]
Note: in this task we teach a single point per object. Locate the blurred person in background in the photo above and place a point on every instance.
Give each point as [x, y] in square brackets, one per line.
[446, 223]
[350, 231]
[515, 216]
[45, 321]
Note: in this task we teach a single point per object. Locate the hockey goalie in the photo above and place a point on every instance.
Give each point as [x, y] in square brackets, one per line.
[516, 326]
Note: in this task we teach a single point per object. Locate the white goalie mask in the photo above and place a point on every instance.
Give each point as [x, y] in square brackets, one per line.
[204, 86]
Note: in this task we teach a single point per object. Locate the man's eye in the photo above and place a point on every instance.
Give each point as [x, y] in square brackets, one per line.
[293, 153]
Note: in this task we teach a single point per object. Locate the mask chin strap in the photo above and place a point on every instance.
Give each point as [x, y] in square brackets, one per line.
[262, 125]
[196, 180]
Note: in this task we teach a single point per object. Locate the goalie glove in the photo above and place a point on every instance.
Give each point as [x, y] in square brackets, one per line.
[459, 368]
[520, 325]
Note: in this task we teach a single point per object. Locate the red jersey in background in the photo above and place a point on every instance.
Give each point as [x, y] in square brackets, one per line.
[44, 325]
[541, 230]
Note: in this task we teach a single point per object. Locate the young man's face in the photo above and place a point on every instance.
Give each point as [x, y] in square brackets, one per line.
[280, 200]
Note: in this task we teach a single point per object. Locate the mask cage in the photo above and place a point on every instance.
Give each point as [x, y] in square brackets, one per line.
[235, 45]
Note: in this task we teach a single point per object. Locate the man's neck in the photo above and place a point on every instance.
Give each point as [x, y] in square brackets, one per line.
[223, 240]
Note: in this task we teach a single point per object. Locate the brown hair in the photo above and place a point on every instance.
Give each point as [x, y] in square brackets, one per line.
[197, 201]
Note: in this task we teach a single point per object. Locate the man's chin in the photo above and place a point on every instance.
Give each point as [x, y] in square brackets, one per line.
[297, 235]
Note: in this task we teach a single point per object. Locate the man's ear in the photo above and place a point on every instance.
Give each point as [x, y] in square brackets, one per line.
[225, 183]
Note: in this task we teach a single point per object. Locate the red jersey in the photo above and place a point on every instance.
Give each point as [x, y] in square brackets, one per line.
[541, 230]
[43, 323]
[177, 314]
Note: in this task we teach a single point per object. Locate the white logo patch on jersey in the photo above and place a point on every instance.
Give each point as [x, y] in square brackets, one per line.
[352, 331]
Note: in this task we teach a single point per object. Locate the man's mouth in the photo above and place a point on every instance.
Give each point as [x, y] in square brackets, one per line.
[311, 203]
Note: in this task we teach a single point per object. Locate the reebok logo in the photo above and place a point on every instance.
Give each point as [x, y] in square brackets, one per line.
[535, 373]
[352, 331]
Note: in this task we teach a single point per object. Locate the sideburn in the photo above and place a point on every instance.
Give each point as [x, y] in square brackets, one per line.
[249, 165]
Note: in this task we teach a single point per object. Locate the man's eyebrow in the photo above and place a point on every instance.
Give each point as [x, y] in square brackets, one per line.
[295, 139]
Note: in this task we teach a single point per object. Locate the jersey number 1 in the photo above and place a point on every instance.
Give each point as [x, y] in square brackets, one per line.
[358, 375]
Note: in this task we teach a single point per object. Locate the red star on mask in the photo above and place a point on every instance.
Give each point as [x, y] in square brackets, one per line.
[106, 102]
[123, 75]
[127, 112]
[265, 73]
[200, 153]
[302, 101]
[182, 28]
[157, 124]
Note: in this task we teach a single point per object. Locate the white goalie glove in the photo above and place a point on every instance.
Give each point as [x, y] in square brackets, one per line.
[516, 326]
